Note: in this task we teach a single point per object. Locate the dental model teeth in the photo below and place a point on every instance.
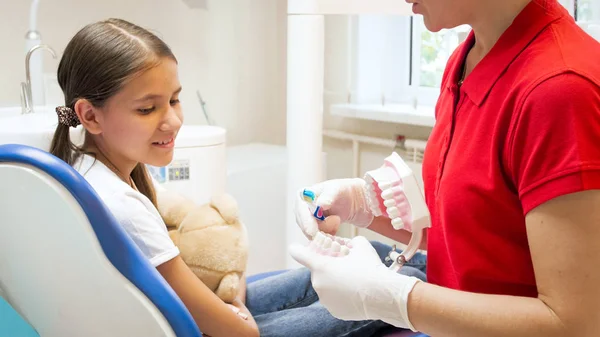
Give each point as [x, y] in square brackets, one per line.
[335, 247]
[330, 245]
[326, 243]
[388, 189]
[393, 212]
[397, 223]
[385, 186]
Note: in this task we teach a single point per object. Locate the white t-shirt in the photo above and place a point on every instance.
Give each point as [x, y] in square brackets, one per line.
[133, 210]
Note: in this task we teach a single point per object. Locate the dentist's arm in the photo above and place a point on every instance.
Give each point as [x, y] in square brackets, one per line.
[563, 237]
[383, 226]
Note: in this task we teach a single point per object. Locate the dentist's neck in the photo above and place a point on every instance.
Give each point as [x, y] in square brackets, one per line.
[490, 18]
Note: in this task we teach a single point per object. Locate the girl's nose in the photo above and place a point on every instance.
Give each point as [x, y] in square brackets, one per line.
[173, 120]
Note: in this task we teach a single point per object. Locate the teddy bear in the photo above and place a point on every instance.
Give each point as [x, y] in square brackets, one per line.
[211, 239]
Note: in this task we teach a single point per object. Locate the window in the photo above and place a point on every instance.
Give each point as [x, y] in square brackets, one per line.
[380, 59]
[586, 11]
[430, 53]
[396, 60]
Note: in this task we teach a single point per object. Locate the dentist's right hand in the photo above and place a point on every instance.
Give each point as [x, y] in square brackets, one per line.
[342, 201]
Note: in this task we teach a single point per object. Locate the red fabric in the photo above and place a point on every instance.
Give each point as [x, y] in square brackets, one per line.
[523, 128]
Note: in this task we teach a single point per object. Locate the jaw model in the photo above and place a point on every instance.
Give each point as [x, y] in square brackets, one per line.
[392, 191]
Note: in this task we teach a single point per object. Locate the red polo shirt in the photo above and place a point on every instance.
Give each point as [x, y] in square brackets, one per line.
[522, 129]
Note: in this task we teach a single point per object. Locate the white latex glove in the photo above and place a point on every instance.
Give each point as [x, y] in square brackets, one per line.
[358, 286]
[342, 201]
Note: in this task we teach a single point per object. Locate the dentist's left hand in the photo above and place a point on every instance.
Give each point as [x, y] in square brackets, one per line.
[358, 286]
[342, 201]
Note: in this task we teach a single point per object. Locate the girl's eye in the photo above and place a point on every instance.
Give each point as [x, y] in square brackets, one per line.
[174, 101]
[146, 110]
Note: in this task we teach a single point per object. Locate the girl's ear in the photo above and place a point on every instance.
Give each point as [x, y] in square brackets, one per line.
[88, 116]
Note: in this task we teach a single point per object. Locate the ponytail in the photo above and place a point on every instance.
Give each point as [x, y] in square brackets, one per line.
[144, 184]
[62, 147]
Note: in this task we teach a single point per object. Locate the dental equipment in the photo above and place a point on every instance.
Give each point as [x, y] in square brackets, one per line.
[203, 106]
[35, 69]
[27, 97]
[103, 284]
[392, 190]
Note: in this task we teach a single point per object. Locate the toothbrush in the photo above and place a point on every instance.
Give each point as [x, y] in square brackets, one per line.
[317, 211]
[392, 190]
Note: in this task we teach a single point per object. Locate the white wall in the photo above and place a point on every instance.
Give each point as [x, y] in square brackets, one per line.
[234, 53]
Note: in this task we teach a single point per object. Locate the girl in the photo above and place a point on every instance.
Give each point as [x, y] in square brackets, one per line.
[120, 82]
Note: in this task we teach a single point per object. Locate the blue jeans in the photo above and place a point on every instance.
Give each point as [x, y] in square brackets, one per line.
[287, 305]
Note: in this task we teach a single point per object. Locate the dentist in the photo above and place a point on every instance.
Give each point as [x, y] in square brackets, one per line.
[512, 182]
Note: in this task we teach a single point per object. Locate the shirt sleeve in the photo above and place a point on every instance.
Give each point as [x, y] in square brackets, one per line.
[555, 144]
[145, 228]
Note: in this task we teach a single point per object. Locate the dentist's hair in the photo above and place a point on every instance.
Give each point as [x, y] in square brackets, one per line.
[95, 65]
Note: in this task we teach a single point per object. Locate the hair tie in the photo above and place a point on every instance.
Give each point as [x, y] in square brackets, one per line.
[66, 116]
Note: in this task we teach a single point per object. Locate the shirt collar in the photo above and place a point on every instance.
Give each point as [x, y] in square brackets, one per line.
[527, 25]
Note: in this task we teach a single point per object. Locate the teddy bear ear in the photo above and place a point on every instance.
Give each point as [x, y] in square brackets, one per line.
[226, 205]
[173, 208]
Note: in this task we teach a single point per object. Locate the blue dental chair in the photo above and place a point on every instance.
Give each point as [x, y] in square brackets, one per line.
[66, 267]
[77, 271]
